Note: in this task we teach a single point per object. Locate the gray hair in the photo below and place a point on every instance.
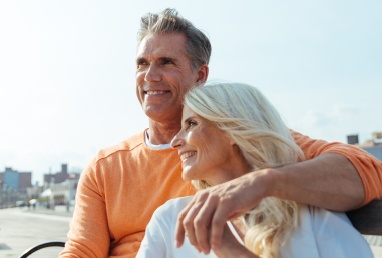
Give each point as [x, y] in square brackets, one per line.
[198, 45]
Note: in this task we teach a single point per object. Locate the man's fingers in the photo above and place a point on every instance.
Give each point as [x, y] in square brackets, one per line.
[202, 224]
[180, 231]
[203, 221]
[217, 225]
[188, 223]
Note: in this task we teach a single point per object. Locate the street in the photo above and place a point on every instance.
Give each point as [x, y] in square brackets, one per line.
[21, 229]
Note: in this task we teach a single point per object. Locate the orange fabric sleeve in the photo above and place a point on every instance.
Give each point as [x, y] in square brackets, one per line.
[117, 194]
[369, 168]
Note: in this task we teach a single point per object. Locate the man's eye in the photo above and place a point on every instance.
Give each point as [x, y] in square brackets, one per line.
[167, 61]
[141, 63]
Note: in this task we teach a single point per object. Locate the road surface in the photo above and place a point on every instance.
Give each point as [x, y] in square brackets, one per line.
[20, 229]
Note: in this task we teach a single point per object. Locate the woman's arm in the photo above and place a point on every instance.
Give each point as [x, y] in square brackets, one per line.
[231, 247]
[154, 242]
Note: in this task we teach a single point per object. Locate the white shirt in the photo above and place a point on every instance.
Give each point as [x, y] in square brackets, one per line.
[321, 234]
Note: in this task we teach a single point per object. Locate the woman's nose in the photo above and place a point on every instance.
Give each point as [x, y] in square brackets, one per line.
[178, 140]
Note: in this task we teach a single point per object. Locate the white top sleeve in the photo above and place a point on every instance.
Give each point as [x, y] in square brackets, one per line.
[159, 240]
[325, 234]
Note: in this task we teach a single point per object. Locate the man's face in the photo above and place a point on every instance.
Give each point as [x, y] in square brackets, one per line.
[164, 75]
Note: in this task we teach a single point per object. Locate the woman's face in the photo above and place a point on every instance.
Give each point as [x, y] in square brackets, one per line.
[205, 151]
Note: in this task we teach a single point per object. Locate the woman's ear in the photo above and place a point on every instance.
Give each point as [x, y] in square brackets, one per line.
[227, 137]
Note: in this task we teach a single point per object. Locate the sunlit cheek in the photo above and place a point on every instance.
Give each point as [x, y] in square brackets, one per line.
[139, 76]
[206, 151]
[190, 137]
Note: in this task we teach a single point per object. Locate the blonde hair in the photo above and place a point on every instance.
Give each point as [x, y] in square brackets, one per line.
[246, 115]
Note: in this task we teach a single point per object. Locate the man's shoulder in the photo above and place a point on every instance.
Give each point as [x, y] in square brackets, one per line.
[133, 142]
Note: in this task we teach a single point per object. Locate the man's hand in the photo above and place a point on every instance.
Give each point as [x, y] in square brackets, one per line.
[204, 218]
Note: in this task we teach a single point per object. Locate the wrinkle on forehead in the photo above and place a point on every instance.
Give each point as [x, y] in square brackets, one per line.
[162, 45]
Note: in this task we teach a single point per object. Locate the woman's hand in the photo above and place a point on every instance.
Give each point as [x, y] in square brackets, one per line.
[231, 247]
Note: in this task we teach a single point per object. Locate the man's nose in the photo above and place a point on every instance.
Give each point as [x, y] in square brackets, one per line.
[153, 73]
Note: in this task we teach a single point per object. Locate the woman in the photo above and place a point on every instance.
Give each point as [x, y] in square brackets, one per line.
[228, 130]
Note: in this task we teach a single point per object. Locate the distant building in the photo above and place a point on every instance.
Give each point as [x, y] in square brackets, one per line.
[61, 187]
[65, 192]
[16, 180]
[13, 186]
[25, 180]
[376, 151]
[372, 146]
[58, 177]
[353, 139]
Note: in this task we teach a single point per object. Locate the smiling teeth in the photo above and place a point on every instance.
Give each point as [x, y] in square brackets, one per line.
[154, 92]
[187, 155]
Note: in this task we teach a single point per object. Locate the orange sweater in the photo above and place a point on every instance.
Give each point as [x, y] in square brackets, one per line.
[124, 184]
[369, 168]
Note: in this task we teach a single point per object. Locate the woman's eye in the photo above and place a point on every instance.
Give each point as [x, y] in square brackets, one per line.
[192, 123]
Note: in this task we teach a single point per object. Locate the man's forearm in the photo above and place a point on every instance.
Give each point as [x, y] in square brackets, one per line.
[329, 181]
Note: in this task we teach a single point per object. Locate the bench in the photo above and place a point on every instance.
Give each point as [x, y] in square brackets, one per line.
[368, 219]
[35, 248]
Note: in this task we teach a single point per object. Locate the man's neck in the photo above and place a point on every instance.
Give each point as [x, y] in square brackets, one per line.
[162, 133]
[156, 146]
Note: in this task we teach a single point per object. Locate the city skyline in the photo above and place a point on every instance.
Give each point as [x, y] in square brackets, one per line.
[23, 179]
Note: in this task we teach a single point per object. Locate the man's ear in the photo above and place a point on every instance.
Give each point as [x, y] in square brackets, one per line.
[202, 74]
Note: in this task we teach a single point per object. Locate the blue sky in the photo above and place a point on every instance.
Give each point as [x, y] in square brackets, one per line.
[67, 70]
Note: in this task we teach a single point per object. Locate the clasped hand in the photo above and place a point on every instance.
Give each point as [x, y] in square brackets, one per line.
[204, 219]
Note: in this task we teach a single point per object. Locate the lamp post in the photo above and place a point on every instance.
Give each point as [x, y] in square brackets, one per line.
[70, 192]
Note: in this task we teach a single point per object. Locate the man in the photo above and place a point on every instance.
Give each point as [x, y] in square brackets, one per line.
[124, 184]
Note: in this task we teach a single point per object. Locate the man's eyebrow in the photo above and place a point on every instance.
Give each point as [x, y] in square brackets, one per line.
[160, 59]
[140, 60]
[166, 58]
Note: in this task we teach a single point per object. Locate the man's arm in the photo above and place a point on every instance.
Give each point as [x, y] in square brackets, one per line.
[348, 180]
[88, 235]
[328, 181]
[332, 177]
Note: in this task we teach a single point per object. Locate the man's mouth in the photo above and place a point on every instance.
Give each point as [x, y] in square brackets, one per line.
[155, 92]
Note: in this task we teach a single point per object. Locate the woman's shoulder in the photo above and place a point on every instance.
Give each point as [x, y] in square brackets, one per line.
[172, 207]
[333, 233]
